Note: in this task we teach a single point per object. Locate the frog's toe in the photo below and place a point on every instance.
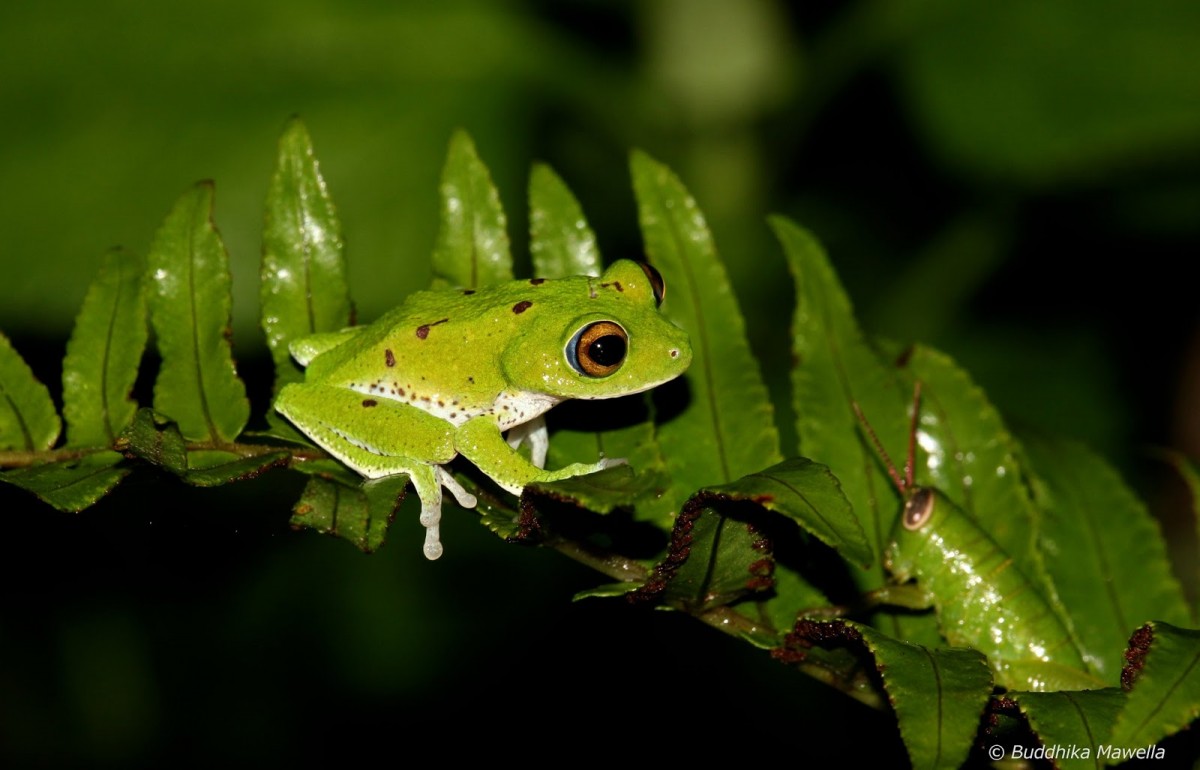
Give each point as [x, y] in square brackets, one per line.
[461, 496]
[433, 542]
[612, 462]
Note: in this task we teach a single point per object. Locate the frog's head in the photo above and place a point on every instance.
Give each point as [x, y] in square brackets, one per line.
[599, 337]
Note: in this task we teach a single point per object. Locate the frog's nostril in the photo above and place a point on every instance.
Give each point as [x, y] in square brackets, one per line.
[674, 353]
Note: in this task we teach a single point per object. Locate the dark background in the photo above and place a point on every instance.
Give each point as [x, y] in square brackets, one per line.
[1016, 183]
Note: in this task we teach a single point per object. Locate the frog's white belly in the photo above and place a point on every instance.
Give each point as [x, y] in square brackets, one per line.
[520, 406]
[511, 407]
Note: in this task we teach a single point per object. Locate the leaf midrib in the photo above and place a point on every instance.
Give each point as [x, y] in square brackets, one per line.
[702, 326]
[193, 250]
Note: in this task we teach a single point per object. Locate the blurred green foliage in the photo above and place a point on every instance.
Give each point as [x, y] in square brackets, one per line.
[1016, 183]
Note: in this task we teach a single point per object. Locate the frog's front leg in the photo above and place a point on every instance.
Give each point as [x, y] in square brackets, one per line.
[537, 435]
[479, 440]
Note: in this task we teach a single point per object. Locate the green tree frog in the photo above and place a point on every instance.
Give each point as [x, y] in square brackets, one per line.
[450, 371]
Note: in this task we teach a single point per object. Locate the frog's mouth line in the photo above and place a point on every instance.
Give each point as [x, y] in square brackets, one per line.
[640, 389]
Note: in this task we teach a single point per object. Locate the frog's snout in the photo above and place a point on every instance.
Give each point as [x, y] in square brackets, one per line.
[681, 355]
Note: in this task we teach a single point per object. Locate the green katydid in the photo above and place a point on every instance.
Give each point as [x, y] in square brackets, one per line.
[982, 597]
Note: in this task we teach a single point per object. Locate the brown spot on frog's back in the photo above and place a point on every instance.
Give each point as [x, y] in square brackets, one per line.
[389, 357]
[369, 402]
[423, 329]
[537, 281]
[522, 306]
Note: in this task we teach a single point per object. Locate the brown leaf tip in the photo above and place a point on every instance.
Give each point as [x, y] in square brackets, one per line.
[788, 655]
[529, 526]
[807, 634]
[1135, 655]
[763, 575]
[999, 708]
[678, 550]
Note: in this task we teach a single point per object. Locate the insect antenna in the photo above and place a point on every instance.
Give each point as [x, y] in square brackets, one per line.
[903, 484]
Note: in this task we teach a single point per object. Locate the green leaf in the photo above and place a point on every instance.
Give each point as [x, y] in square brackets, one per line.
[560, 240]
[1071, 722]
[714, 559]
[727, 428]
[808, 494]
[724, 548]
[304, 289]
[472, 243]
[832, 652]
[602, 491]
[1164, 667]
[214, 467]
[606, 591]
[104, 353]
[1103, 550]
[501, 520]
[197, 384]
[360, 514]
[156, 439]
[71, 485]
[28, 420]
[938, 694]
[793, 596]
[621, 428]
[834, 369]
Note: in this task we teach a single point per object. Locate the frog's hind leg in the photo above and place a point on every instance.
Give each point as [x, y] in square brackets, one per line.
[389, 443]
[425, 480]
[428, 480]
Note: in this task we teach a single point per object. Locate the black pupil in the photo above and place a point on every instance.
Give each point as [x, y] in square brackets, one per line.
[609, 350]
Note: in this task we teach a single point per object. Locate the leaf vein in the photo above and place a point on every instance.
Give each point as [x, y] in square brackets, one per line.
[702, 328]
[937, 678]
[29, 447]
[106, 362]
[195, 313]
[1170, 690]
[1087, 726]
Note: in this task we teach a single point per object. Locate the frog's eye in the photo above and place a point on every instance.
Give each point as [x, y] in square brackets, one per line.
[657, 284]
[598, 349]
[918, 509]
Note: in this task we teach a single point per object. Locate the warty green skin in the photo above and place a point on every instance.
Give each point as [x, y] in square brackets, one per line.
[985, 601]
[450, 370]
